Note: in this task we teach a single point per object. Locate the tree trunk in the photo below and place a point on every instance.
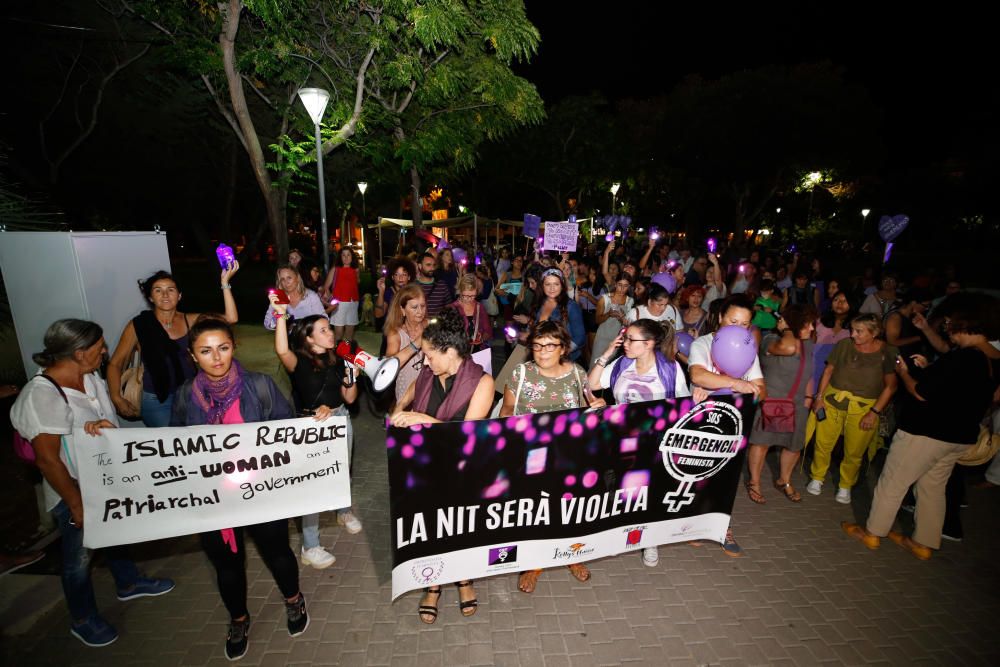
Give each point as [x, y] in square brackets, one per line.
[274, 198]
[417, 207]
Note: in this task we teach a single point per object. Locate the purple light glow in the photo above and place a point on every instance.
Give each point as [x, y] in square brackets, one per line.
[522, 425]
[470, 446]
[635, 479]
[536, 461]
[589, 479]
[591, 421]
[494, 428]
[501, 443]
[497, 488]
[468, 427]
[632, 444]
[569, 480]
[576, 430]
[417, 440]
[407, 452]
[660, 425]
[530, 435]
[567, 495]
[390, 443]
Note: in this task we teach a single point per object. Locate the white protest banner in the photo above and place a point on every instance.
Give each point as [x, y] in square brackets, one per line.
[147, 484]
[561, 236]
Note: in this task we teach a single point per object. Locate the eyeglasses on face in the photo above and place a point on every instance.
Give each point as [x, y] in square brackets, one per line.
[547, 347]
[467, 297]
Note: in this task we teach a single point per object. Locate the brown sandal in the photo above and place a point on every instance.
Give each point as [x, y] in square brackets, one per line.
[753, 491]
[789, 491]
[526, 582]
[468, 607]
[429, 611]
[580, 571]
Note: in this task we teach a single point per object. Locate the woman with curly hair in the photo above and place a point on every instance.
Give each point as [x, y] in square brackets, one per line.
[449, 387]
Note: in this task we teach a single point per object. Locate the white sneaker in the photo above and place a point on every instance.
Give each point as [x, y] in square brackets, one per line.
[349, 521]
[318, 557]
[650, 556]
[844, 496]
[815, 487]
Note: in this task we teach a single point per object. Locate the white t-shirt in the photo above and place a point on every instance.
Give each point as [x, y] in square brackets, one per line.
[713, 293]
[701, 355]
[40, 409]
[669, 314]
[634, 388]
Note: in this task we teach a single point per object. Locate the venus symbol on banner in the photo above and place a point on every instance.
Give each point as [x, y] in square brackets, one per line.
[698, 446]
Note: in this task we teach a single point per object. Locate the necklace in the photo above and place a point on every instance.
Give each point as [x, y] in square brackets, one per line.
[168, 325]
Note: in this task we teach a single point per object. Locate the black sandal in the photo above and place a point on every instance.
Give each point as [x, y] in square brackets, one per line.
[429, 610]
[467, 605]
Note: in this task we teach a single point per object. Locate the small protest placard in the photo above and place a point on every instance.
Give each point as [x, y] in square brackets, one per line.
[561, 236]
[532, 223]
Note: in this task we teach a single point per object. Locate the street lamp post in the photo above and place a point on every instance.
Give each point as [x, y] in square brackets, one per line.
[614, 196]
[315, 101]
[362, 186]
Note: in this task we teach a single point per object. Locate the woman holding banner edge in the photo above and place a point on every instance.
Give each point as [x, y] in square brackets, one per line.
[646, 372]
[449, 387]
[322, 387]
[548, 381]
[224, 393]
[737, 310]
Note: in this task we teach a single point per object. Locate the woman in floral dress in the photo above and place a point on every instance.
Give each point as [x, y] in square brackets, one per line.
[549, 381]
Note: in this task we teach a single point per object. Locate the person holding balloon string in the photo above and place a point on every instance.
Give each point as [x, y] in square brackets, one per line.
[725, 361]
[646, 372]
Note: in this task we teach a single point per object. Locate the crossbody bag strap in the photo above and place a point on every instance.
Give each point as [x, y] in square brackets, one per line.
[58, 388]
[798, 375]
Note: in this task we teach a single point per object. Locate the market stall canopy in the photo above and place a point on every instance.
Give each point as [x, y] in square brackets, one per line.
[385, 223]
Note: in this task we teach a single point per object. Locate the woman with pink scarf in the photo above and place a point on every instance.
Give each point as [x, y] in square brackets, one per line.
[224, 393]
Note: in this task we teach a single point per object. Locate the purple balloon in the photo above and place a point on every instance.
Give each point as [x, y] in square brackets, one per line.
[684, 340]
[666, 280]
[733, 350]
[890, 228]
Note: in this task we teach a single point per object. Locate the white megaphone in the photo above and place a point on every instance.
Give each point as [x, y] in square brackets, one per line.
[382, 371]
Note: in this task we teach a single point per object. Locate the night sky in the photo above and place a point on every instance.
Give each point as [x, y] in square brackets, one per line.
[932, 73]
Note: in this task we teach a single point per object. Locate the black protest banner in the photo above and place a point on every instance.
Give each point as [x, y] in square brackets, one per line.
[472, 499]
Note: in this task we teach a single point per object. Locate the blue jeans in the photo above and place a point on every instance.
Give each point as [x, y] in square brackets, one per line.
[155, 414]
[310, 522]
[77, 585]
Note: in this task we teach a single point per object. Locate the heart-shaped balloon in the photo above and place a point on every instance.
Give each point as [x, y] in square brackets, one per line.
[890, 228]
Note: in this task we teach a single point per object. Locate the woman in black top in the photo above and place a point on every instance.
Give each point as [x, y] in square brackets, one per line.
[160, 334]
[953, 394]
[321, 385]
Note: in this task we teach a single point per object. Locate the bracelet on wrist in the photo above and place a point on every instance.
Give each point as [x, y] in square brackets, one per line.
[602, 362]
[875, 410]
[226, 286]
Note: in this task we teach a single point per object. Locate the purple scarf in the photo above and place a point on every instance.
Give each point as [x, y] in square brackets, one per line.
[464, 386]
[217, 397]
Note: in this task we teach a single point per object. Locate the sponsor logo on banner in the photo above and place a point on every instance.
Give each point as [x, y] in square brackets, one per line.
[500, 556]
[573, 551]
[699, 445]
[633, 536]
[427, 571]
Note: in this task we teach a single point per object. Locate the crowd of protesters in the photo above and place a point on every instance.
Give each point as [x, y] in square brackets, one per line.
[869, 364]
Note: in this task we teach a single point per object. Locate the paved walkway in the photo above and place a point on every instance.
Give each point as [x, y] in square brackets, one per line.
[804, 594]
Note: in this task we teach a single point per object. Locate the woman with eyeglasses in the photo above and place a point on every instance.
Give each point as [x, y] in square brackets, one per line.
[549, 381]
[612, 313]
[473, 314]
[404, 331]
[449, 387]
[646, 372]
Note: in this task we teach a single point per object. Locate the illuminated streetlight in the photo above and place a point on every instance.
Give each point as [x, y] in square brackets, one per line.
[777, 210]
[362, 186]
[315, 101]
[614, 195]
[864, 219]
